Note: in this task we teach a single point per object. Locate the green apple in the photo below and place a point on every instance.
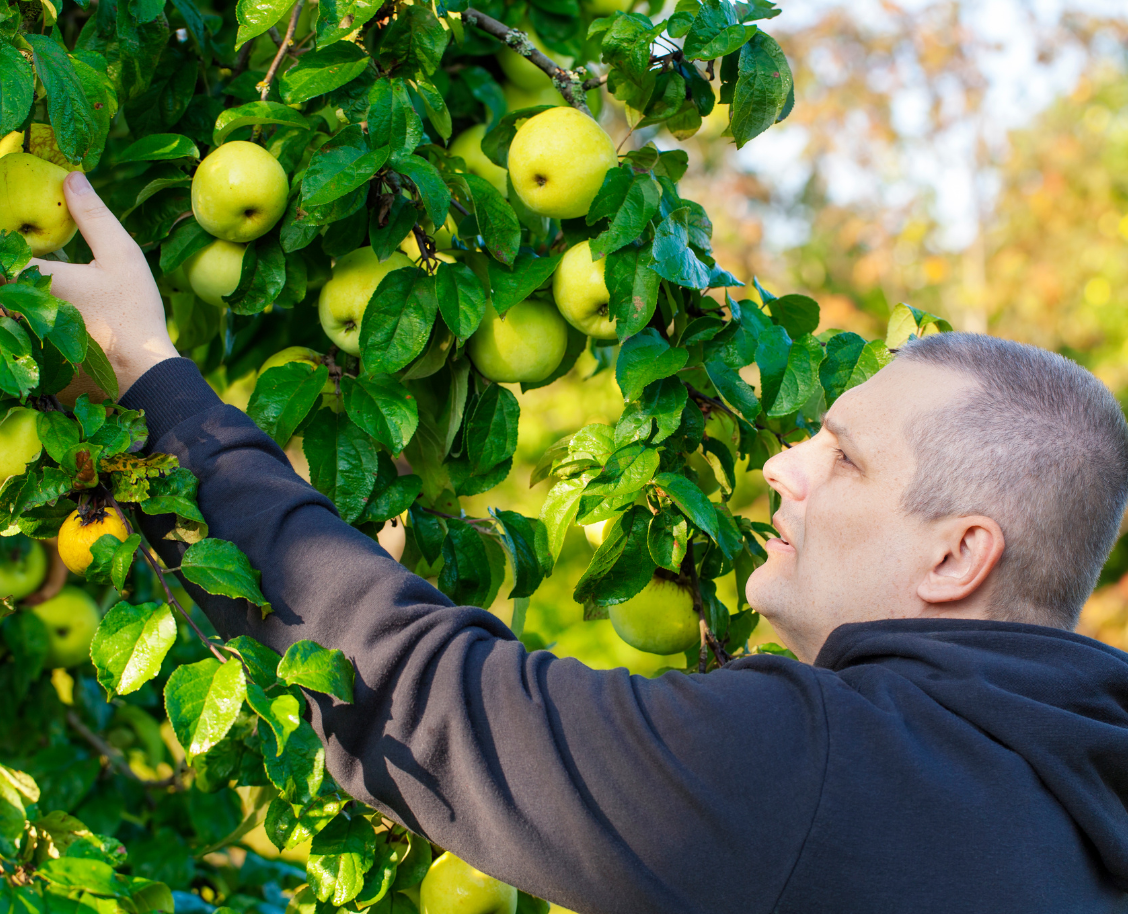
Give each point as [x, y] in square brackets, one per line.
[596, 533]
[517, 98]
[214, 272]
[345, 296]
[557, 162]
[239, 191]
[298, 354]
[24, 570]
[659, 619]
[11, 142]
[19, 441]
[525, 344]
[523, 71]
[32, 202]
[453, 886]
[581, 294]
[607, 7]
[468, 145]
[71, 617]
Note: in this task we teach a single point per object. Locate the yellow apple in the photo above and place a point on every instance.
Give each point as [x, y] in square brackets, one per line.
[557, 162]
[524, 72]
[32, 202]
[214, 272]
[19, 441]
[581, 293]
[596, 533]
[71, 617]
[78, 534]
[659, 619]
[345, 296]
[453, 886]
[11, 142]
[239, 191]
[525, 344]
[468, 145]
[25, 571]
[298, 354]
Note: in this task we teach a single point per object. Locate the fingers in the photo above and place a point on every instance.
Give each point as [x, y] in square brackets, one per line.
[110, 243]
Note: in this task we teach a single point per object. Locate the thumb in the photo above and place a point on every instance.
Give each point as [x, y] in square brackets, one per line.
[109, 242]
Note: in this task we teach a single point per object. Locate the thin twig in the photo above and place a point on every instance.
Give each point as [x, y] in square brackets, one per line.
[566, 81]
[704, 398]
[282, 48]
[114, 755]
[689, 565]
[144, 553]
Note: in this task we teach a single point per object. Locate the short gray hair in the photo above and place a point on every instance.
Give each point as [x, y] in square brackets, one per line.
[1041, 447]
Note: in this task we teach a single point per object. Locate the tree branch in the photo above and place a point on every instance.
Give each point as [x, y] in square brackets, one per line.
[113, 755]
[567, 82]
[283, 46]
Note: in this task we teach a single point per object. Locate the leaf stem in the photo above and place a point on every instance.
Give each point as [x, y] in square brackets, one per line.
[567, 82]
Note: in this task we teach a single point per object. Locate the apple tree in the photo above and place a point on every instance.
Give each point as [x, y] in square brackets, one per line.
[433, 223]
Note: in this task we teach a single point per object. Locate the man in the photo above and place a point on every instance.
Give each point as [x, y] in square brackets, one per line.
[946, 745]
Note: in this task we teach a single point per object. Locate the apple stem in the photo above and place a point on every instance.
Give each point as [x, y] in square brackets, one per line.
[567, 82]
[283, 47]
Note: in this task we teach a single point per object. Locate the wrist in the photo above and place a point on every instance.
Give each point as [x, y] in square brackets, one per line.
[129, 367]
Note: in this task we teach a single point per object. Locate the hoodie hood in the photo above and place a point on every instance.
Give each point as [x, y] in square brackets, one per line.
[1058, 699]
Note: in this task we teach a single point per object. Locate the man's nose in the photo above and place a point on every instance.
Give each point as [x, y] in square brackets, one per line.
[784, 472]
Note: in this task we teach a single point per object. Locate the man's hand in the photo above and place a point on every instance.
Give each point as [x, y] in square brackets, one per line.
[116, 292]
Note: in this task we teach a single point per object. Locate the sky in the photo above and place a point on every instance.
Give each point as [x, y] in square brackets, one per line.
[1020, 86]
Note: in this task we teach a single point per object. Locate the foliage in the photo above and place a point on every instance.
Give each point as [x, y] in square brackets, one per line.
[151, 766]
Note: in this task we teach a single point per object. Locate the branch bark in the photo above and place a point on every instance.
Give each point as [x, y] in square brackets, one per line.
[283, 47]
[567, 82]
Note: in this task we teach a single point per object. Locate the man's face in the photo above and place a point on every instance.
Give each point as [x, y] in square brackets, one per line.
[848, 553]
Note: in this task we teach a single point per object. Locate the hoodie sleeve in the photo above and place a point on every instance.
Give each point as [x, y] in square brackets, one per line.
[598, 790]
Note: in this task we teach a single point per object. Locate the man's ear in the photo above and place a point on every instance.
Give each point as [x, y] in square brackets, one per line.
[969, 549]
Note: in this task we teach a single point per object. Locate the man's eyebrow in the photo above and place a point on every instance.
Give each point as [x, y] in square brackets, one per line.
[838, 430]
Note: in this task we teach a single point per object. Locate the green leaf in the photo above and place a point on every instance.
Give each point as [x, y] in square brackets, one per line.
[174, 493]
[93, 876]
[497, 222]
[691, 501]
[514, 283]
[734, 389]
[282, 713]
[98, 367]
[202, 701]
[661, 405]
[220, 568]
[626, 471]
[393, 120]
[668, 540]
[336, 19]
[14, 251]
[383, 408]
[287, 827]
[157, 147]
[186, 239]
[37, 305]
[437, 112]
[800, 378]
[559, 510]
[256, 17]
[17, 89]
[622, 565]
[762, 89]
[341, 853]
[386, 237]
[342, 461]
[283, 397]
[772, 353]
[716, 31]
[430, 185]
[491, 435]
[674, 259]
[130, 645]
[57, 433]
[397, 322]
[465, 575]
[322, 71]
[842, 354]
[261, 662]
[69, 333]
[639, 205]
[299, 771]
[461, 298]
[797, 314]
[254, 113]
[340, 166]
[526, 542]
[311, 666]
[263, 277]
[645, 358]
[71, 113]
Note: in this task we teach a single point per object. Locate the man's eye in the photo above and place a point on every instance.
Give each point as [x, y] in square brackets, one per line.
[841, 456]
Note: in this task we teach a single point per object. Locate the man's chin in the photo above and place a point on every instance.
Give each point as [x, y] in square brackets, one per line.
[765, 591]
